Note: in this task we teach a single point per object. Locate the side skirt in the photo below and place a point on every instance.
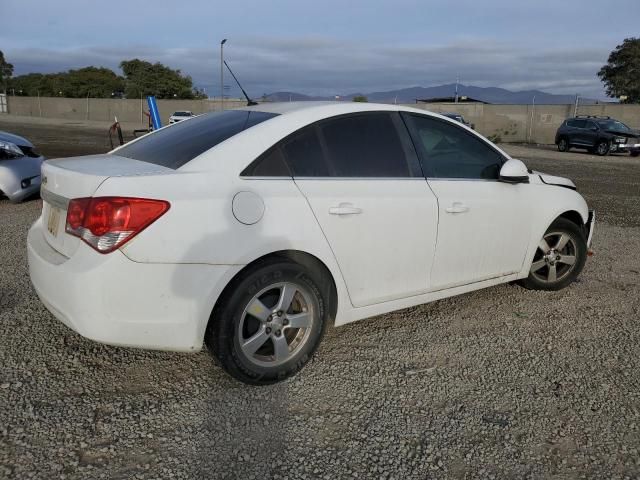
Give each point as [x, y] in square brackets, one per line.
[381, 308]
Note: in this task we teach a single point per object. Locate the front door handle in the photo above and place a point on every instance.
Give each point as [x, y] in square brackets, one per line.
[345, 209]
[457, 207]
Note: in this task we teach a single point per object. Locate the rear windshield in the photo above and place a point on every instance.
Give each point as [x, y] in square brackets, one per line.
[181, 114]
[180, 143]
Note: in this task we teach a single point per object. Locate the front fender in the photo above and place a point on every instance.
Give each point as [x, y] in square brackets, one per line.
[553, 202]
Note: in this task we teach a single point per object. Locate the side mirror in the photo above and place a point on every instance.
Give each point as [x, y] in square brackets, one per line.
[514, 171]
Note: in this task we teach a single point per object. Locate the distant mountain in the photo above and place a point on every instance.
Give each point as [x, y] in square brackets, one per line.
[292, 97]
[409, 95]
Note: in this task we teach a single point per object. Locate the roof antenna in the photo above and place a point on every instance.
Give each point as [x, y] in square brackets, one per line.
[250, 102]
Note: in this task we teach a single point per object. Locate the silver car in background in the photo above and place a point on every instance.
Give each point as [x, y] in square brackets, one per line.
[19, 167]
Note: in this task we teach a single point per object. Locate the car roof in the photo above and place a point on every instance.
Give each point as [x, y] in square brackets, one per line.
[327, 108]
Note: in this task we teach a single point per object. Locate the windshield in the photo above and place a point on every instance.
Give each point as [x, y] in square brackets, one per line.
[182, 114]
[180, 143]
[613, 125]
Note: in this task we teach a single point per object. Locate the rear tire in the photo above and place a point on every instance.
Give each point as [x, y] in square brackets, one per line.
[635, 154]
[559, 259]
[563, 144]
[602, 148]
[270, 321]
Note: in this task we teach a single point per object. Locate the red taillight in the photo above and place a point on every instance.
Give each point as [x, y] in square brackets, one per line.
[107, 223]
[75, 212]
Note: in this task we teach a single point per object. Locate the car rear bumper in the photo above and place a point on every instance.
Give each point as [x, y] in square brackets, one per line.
[113, 300]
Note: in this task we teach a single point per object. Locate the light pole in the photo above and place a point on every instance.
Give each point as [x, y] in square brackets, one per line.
[222, 73]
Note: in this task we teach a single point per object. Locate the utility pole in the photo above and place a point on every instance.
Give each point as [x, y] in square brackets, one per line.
[222, 73]
[533, 113]
[575, 109]
[457, 81]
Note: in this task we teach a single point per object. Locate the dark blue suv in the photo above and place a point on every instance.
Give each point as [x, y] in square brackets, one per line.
[601, 135]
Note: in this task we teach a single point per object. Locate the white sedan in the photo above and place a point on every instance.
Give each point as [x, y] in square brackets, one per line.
[253, 229]
[179, 116]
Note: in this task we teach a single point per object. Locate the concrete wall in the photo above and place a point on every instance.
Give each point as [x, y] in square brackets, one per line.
[104, 109]
[509, 123]
[525, 123]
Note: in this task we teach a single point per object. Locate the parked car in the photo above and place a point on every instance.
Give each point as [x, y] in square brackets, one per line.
[253, 229]
[600, 135]
[458, 118]
[19, 167]
[181, 115]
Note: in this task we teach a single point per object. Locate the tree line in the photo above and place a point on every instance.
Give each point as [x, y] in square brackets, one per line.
[140, 78]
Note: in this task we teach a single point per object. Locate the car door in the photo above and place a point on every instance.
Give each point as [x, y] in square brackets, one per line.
[590, 134]
[484, 227]
[581, 135]
[363, 181]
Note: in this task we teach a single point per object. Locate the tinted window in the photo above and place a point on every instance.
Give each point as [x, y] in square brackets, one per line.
[269, 164]
[364, 145]
[176, 145]
[580, 123]
[613, 125]
[449, 151]
[571, 123]
[304, 154]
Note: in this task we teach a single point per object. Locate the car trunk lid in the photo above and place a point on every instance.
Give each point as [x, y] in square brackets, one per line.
[79, 177]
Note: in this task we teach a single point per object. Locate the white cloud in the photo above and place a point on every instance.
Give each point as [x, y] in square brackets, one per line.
[324, 66]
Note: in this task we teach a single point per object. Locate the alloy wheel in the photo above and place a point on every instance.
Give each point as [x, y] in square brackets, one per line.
[562, 145]
[276, 324]
[602, 148]
[555, 257]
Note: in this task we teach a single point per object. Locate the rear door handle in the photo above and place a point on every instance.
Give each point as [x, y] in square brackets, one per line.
[457, 207]
[345, 209]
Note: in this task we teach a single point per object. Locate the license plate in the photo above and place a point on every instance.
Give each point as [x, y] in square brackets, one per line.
[53, 221]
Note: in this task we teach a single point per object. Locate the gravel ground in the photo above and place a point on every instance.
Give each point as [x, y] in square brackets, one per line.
[499, 383]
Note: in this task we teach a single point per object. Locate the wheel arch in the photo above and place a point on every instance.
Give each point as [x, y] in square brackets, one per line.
[573, 216]
[297, 256]
[577, 213]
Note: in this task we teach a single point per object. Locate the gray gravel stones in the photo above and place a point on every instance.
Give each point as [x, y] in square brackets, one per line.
[500, 383]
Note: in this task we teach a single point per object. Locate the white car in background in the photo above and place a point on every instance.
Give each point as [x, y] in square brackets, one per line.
[180, 115]
[253, 229]
[19, 168]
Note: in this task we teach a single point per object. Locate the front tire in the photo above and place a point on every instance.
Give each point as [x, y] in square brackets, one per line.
[559, 259]
[270, 323]
[563, 145]
[602, 148]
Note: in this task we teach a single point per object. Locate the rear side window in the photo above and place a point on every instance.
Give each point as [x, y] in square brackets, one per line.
[364, 145]
[175, 146]
[304, 154]
[269, 164]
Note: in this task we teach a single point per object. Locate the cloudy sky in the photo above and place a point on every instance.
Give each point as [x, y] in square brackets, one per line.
[330, 47]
